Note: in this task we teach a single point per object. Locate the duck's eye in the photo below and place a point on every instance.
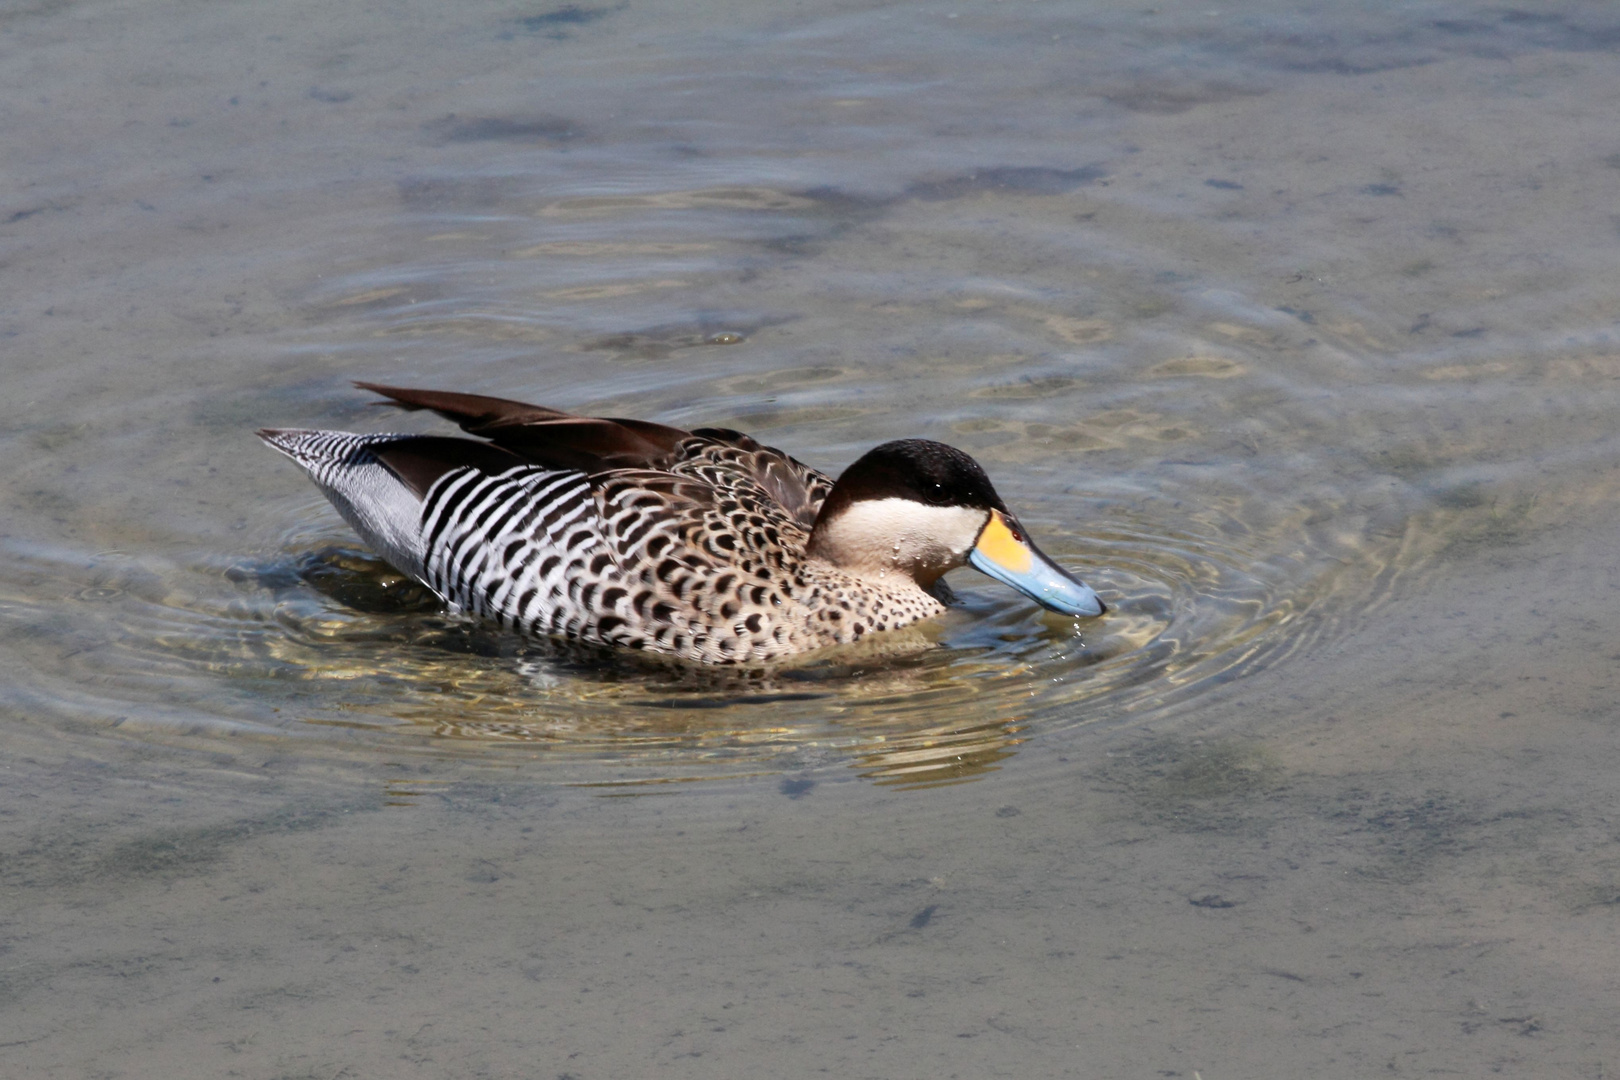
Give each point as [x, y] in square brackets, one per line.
[936, 494]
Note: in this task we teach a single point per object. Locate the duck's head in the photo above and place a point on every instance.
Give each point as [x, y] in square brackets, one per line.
[922, 508]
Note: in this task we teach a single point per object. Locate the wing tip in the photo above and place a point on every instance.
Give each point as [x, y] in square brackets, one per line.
[398, 396]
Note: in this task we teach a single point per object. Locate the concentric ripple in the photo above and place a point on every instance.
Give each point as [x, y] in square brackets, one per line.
[322, 643]
[1241, 466]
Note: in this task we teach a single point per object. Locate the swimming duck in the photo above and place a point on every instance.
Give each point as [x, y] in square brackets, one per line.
[699, 544]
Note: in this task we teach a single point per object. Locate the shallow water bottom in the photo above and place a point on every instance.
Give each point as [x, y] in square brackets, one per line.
[1397, 855]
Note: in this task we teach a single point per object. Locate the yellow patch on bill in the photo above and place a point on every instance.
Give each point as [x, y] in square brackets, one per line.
[998, 544]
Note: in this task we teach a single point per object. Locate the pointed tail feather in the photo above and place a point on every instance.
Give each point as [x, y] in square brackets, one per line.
[372, 497]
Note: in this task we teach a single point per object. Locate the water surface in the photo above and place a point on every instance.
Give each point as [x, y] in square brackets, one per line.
[1291, 328]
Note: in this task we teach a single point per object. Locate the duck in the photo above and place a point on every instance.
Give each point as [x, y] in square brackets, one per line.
[704, 545]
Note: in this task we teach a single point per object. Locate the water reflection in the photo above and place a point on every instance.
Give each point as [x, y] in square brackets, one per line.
[1293, 327]
[1243, 456]
[1195, 602]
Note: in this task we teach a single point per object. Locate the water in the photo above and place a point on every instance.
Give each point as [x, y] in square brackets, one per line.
[1291, 328]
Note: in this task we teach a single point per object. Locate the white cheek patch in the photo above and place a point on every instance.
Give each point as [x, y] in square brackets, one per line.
[901, 533]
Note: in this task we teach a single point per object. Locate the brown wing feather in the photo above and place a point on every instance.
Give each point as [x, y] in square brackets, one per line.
[420, 460]
[471, 411]
[718, 456]
[548, 436]
[591, 443]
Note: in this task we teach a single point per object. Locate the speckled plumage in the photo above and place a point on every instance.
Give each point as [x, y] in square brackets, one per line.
[614, 532]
